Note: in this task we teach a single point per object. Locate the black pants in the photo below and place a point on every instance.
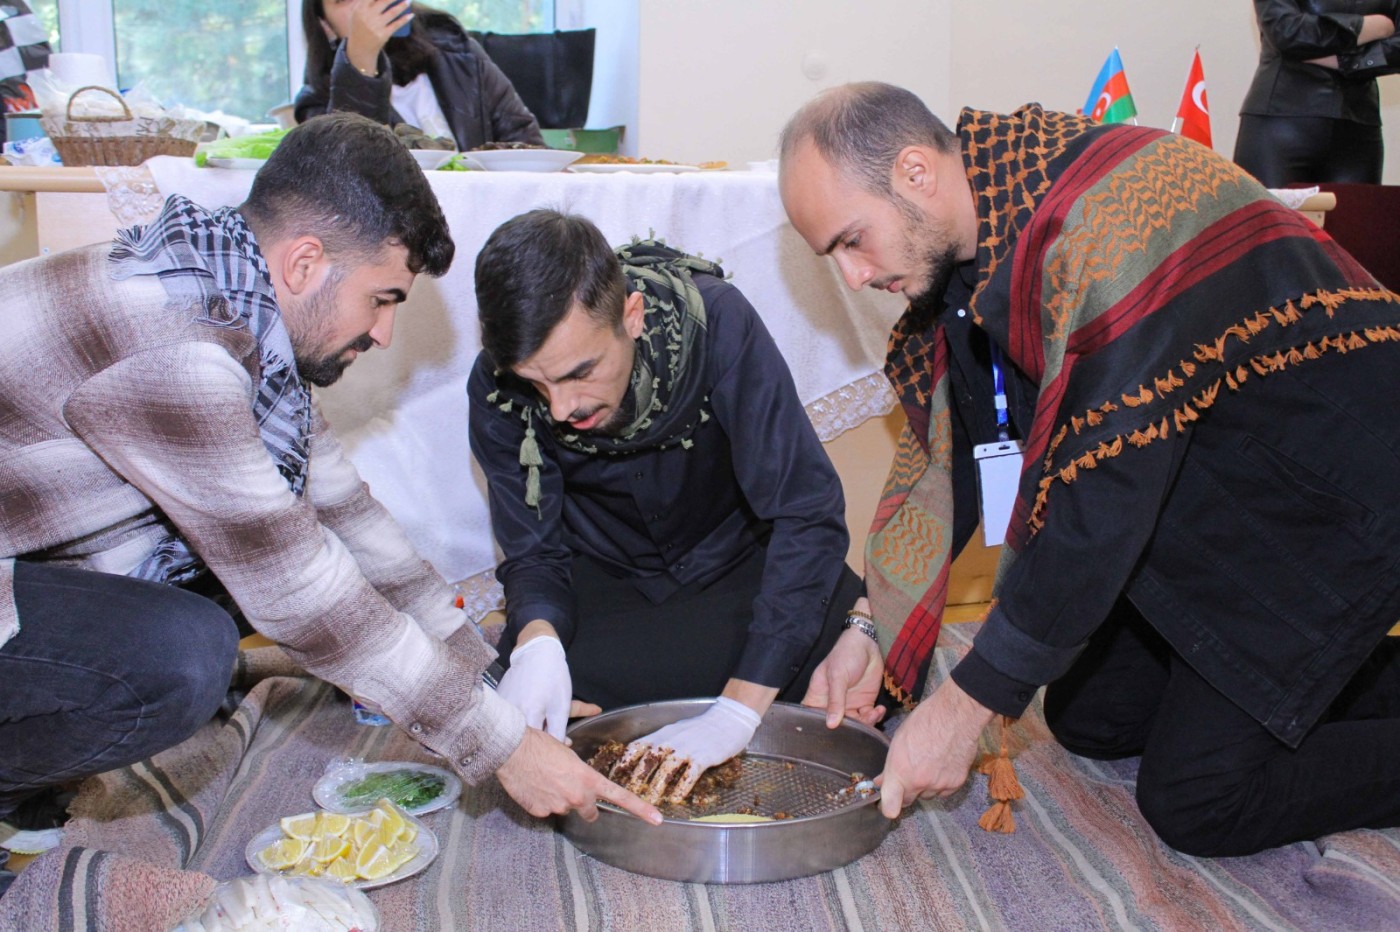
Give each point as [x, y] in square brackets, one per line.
[1279, 151]
[105, 671]
[1212, 781]
[627, 649]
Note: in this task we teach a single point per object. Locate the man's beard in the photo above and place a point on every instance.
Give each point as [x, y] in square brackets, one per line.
[929, 246]
[326, 370]
[313, 317]
[621, 418]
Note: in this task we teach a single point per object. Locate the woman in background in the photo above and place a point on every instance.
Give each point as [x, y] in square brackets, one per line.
[437, 78]
[1312, 113]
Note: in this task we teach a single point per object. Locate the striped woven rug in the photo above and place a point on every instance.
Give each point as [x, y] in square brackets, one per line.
[147, 843]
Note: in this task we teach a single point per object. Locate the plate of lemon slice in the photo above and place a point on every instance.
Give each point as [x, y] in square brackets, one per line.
[366, 849]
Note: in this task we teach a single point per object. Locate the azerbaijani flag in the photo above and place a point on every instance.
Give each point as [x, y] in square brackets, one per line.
[1193, 115]
[1110, 101]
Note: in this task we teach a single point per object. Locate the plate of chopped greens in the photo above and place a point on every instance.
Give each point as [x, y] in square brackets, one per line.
[353, 786]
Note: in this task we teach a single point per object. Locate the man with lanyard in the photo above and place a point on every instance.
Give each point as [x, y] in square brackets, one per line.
[671, 526]
[158, 425]
[1201, 579]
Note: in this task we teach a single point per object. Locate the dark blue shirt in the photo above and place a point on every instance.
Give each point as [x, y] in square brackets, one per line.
[664, 519]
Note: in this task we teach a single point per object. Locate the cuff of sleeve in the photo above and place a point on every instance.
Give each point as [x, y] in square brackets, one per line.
[993, 689]
[1370, 57]
[770, 661]
[503, 728]
[1018, 655]
[518, 615]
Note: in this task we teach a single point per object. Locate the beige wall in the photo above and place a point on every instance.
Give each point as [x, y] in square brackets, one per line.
[719, 77]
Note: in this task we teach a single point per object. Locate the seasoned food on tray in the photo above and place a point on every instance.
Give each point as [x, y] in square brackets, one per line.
[601, 158]
[497, 146]
[414, 138]
[609, 761]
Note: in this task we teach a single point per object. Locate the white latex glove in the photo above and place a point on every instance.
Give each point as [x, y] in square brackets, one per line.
[539, 685]
[664, 765]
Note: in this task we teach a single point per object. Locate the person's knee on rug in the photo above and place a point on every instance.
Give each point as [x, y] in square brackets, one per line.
[189, 673]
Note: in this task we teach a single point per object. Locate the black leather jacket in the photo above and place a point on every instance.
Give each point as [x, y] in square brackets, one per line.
[476, 97]
[1293, 31]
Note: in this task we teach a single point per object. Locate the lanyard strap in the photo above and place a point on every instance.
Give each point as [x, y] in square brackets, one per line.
[999, 393]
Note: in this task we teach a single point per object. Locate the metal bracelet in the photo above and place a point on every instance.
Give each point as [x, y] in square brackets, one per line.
[862, 623]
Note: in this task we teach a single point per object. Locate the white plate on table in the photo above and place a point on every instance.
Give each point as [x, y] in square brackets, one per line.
[521, 160]
[635, 167]
[253, 164]
[429, 159]
[427, 850]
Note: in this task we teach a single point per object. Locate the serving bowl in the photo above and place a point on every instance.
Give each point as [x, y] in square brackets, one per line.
[794, 764]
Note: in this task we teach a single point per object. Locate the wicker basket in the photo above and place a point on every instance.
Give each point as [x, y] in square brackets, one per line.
[118, 140]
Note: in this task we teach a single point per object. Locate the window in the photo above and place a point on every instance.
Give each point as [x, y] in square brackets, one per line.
[241, 57]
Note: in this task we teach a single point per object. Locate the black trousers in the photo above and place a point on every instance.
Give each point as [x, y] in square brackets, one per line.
[1279, 150]
[1213, 782]
[627, 649]
[105, 671]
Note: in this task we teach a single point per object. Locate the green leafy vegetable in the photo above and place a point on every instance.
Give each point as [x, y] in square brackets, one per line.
[409, 788]
[255, 146]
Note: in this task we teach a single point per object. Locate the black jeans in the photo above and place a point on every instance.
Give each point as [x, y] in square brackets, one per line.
[627, 649]
[1213, 782]
[105, 671]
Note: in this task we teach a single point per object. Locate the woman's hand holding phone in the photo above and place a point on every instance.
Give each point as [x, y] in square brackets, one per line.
[371, 26]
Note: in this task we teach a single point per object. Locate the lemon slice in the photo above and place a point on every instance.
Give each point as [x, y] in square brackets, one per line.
[301, 827]
[331, 823]
[283, 854]
[342, 869]
[374, 861]
[328, 848]
[401, 855]
[408, 832]
[391, 816]
[361, 831]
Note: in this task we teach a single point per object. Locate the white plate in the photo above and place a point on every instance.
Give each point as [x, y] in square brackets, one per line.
[638, 167]
[254, 164]
[326, 795]
[429, 159]
[427, 850]
[522, 160]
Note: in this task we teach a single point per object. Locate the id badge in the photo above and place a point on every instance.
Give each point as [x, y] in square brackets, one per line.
[998, 478]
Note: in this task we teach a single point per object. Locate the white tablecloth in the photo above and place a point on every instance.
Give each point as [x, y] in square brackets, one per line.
[402, 411]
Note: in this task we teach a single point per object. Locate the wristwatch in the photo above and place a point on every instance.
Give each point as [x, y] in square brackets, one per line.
[862, 623]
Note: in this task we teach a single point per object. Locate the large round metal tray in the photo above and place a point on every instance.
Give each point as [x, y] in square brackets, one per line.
[793, 757]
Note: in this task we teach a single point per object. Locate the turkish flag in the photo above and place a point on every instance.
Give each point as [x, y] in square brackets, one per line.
[1193, 116]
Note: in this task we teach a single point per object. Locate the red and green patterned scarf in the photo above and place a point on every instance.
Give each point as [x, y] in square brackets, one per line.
[1138, 279]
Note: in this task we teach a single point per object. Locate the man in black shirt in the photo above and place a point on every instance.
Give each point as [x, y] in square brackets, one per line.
[670, 524]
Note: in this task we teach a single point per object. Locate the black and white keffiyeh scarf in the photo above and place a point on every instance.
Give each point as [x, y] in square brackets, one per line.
[210, 265]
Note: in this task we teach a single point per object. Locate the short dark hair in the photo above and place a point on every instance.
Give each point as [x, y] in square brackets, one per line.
[861, 128]
[532, 270]
[348, 181]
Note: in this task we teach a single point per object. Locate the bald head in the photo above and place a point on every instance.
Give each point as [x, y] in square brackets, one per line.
[860, 128]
